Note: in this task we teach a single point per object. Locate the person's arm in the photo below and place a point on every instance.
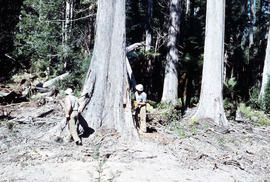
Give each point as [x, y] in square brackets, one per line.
[68, 107]
[82, 106]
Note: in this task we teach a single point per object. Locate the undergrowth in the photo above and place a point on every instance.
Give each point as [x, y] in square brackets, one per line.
[249, 113]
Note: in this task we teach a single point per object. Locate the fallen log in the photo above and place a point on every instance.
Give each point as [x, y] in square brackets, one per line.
[41, 89]
[134, 46]
[52, 81]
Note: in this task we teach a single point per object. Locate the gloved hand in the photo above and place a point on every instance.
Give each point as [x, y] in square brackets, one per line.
[67, 118]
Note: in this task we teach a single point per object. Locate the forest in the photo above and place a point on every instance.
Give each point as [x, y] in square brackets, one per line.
[203, 64]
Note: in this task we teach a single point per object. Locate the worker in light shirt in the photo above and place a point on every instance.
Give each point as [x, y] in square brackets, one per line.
[140, 105]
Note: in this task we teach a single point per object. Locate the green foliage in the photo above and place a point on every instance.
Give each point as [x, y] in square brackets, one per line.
[194, 101]
[10, 125]
[38, 37]
[249, 113]
[229, 90]
[229, 86]
[228, 105]
[48, 46]
[181, 133]
[77, 77]
[254, 101]
[263, 102]
[170, 113]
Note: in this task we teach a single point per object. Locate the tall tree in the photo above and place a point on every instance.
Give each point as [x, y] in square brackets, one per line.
[148, 34]
[266, 68]
[211, 99]
[170, 86]
[106, 80]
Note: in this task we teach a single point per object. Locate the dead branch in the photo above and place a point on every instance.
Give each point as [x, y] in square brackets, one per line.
[81, 18]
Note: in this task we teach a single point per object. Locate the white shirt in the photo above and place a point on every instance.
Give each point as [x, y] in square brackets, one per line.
[140, 97]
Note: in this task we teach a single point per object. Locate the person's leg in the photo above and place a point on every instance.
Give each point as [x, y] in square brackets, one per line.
[73, 126]
[143, 119]
[137, 121]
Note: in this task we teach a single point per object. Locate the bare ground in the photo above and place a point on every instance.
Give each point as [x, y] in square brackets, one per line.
[189, 152]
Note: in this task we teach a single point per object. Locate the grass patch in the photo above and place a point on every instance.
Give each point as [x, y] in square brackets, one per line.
[9, 124]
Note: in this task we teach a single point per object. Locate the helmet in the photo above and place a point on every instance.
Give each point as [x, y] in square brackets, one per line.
[68, 91]
[139, 87]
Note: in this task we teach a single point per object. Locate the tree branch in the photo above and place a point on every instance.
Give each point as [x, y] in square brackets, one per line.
[81, 18]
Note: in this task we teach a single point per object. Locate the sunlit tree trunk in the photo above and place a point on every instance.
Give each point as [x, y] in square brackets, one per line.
[252, 19]
[170, 86]
[68, 20]
[148, 34]
[188, 7]
[106, 80]
[211, 99]
[266, 68]
[67, 29]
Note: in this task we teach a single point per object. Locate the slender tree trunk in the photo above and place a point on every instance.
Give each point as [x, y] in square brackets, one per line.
[148, 45]
[266, 68]
[188, 7]
[106, 80]
[68, 20]
[225, 66]
[252, 19]
[40, 10]
[211, 99]
[67, 28]
[148, 34]
[170, 86]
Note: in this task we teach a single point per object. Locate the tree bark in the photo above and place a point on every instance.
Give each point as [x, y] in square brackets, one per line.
[106, 80]
[211, 99]
[170, 86]
[266, 68]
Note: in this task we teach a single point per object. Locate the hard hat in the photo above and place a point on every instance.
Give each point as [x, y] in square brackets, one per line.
[139, 87]
[68, 91]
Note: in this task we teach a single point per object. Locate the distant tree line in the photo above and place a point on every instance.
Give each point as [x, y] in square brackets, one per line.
[52, 37]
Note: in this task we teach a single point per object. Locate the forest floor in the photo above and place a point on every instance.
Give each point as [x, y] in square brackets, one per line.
[188, 151]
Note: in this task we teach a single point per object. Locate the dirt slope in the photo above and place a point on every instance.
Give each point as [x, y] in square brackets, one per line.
[192, 152]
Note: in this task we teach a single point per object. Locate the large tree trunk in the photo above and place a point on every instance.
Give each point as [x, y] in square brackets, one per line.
[106, 81]
[266, 68]
[170, 86]
[211, 99]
